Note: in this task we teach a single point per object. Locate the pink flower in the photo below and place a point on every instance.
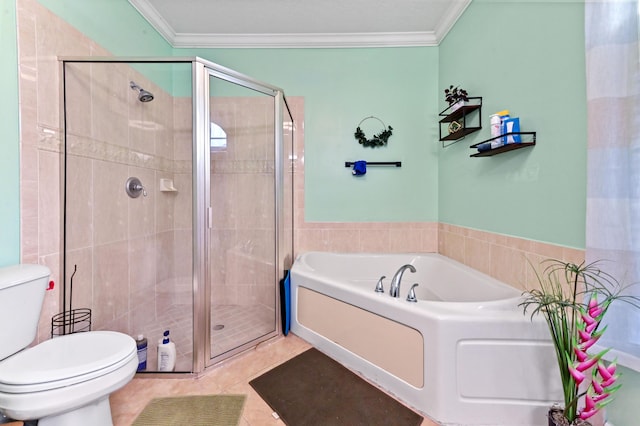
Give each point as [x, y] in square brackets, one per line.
[585, 365]
[598, 398]
[587, 318]
[589, 403]
[609, 381]
[580, 354]
[604, 371]
[577, 375]
[594, 309]
[584, 336]
[595, 313]
[584, 415]
[590, 342]
[597, 387]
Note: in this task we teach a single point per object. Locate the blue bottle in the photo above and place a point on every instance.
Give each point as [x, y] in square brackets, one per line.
[141, 343]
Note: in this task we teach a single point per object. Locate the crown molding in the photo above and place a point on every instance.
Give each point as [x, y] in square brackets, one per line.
[307, 40]
[449, 20]
[300, 40]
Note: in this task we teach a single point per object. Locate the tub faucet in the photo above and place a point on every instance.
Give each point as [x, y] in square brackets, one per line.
[411, 297]
[394, 291]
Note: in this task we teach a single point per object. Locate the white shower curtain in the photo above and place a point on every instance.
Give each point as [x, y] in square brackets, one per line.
[613, 168]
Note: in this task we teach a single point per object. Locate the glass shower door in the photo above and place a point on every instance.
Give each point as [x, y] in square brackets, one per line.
[242, 249]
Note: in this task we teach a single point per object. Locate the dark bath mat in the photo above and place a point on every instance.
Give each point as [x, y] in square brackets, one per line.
[313, 389]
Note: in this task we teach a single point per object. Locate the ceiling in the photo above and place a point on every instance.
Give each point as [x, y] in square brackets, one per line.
[301, 23]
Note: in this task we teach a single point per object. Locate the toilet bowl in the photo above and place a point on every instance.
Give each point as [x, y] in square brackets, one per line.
[64, 381]
[67, 380]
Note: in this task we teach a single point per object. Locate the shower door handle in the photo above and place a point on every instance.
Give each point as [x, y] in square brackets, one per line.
[209, 217]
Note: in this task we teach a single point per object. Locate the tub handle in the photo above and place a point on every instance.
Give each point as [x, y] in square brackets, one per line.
[411, 297]
[379, 287]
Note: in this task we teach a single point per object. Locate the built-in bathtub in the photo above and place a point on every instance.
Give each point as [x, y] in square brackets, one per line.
[464, 354]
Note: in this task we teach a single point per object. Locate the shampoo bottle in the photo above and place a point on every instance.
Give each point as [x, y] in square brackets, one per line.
[141, 343]
[166, 353]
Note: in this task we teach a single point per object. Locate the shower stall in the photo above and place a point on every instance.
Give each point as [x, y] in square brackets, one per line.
[178, 203]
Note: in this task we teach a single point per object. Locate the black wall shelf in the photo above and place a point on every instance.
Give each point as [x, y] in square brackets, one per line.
[461, 114]
[508, 147]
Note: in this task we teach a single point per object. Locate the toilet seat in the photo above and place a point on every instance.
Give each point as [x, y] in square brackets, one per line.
[65, 361]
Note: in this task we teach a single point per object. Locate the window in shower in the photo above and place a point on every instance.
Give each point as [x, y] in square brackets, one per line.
[218, 137]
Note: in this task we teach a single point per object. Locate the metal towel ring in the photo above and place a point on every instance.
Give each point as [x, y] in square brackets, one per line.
[379, 139]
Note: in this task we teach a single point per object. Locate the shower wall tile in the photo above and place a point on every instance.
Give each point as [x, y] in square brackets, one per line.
[141, 218]
[143, 128]
[81, 261]
[49, 197]
[142, 279]
[182, 129]
[109, 92]
[110, 202]
[164, 209]
[182, 200]
[225, 209]
[80, 209]
[183, 258]
[29, 132]
[164, 121]
[254, 202]
[79, 92]
[26, 25]
[111, 285]
[50, 305]
[165, 256]
[29, 239]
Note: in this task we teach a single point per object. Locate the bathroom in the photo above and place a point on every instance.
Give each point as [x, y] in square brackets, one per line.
[483, 214]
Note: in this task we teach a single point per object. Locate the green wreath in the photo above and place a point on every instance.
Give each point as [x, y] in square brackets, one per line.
[379, 139]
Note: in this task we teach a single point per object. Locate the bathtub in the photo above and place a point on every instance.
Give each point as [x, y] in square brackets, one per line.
[463, 354]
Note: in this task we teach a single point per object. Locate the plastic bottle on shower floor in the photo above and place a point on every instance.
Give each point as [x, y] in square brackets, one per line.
[166, 353]
[141, 343]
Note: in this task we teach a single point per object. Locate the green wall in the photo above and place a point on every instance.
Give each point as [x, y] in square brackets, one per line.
[113, 24]
[527, 57]
[340, 88]
[9, 137]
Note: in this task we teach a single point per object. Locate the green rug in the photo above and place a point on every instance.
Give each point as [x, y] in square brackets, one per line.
[193, 410]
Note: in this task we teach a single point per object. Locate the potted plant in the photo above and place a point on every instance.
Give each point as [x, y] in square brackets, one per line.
[573, 299]
[455, 97]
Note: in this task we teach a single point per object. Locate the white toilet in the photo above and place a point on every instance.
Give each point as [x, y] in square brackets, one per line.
[64, 381]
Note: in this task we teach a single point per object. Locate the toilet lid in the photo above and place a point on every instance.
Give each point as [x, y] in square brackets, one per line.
[69, 359]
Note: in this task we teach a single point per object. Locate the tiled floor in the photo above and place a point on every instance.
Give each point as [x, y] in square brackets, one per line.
[231, 377]
[240, 324]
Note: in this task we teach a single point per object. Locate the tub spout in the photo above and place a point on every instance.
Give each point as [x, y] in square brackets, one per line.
[411, 297]
[394, 291]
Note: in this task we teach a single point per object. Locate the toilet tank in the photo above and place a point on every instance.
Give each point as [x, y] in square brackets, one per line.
[22, 290]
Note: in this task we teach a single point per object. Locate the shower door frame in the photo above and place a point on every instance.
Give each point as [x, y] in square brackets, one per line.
[202, 69]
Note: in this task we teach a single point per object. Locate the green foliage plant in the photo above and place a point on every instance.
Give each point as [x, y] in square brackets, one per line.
[573, 299]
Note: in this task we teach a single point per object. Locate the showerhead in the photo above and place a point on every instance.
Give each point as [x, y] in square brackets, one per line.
[143, 95]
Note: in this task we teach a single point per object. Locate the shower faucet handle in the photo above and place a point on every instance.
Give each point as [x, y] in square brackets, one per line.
[379, 287]
[134, 187]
